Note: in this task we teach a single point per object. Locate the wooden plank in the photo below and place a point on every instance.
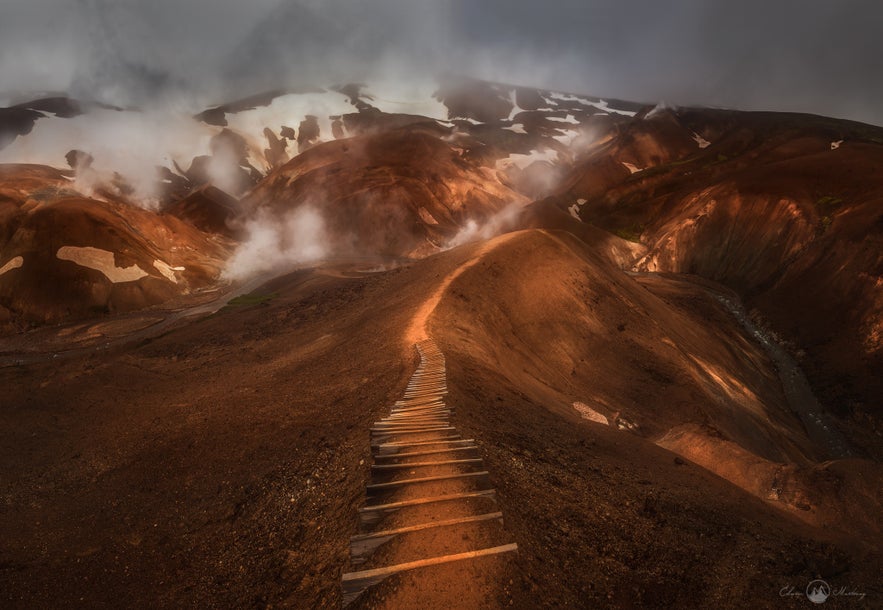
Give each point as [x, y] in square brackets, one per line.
[425, 464]
[364, 544]
[387, 430]
[414, 419]
[416, 405]
[405, 424]
[438, 397]
[412, 423]
[354, 583]
[436, 404]
[418, 402]
[405, 417]
[400, 444]
[430, 525]
[482, 493]
[420, 563]
[422, 453]
[381, 439]
[418, 413]
[442, 477]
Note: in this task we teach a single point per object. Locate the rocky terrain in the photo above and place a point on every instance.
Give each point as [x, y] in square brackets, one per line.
[661, 328]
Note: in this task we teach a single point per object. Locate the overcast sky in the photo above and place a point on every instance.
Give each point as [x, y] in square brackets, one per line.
[803, 55]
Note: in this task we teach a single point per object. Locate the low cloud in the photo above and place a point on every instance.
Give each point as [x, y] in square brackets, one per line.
[476, 230]
[273, 243]
[820, 57]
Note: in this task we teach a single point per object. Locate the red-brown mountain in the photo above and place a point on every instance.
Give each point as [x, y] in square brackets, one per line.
[662, 325]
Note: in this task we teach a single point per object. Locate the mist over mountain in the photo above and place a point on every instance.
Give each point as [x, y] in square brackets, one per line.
[813, 58]
[446, 304]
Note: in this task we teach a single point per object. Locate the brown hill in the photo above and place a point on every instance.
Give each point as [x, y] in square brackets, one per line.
[65, 256]
[208, 208]
[228, 457]
[655, 357]
[397, 193]
[783, 209]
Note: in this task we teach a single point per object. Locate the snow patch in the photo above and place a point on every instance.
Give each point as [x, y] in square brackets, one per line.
[600, 104]
[589, 413]
[515, 107]
[702, 142]
[568, 136]
[167, 270]
[574, 209]
[405, 97]
[569, 119]
[835, 145]
[632, 167]
[13, 263]
[100, 260]
[517, 128]
[522, 161]
[426, 217]
[287, 110]
[131, 143]
[564, 97]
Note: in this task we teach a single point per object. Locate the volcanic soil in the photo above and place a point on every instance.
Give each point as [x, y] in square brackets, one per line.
[222, 463]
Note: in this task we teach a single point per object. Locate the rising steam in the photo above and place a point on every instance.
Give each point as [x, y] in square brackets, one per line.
[474, 230]
[274, 243]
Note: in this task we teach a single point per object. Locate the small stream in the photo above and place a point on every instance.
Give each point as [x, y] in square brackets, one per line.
[819, 427]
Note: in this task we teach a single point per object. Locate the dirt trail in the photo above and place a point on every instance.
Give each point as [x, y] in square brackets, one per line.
[417, 330]
[430, 533]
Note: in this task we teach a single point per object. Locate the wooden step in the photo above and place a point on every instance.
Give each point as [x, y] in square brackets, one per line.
[424, 453]
[413, 429]
[424, 407]
[417, 444]
[364, 544]
[418, 413]
[381, 439]
[444, 423]
[418, 403]
[410, 422]
[442, 477]
[412, 417]
[481, 493]
[354, 583]
[425, 464]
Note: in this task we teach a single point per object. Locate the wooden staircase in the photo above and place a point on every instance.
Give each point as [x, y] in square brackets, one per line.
[429, 501]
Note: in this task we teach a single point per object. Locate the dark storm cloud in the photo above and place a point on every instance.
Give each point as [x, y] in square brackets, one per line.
[822, 57]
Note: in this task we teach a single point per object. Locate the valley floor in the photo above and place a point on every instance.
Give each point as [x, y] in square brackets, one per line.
[223, 463]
